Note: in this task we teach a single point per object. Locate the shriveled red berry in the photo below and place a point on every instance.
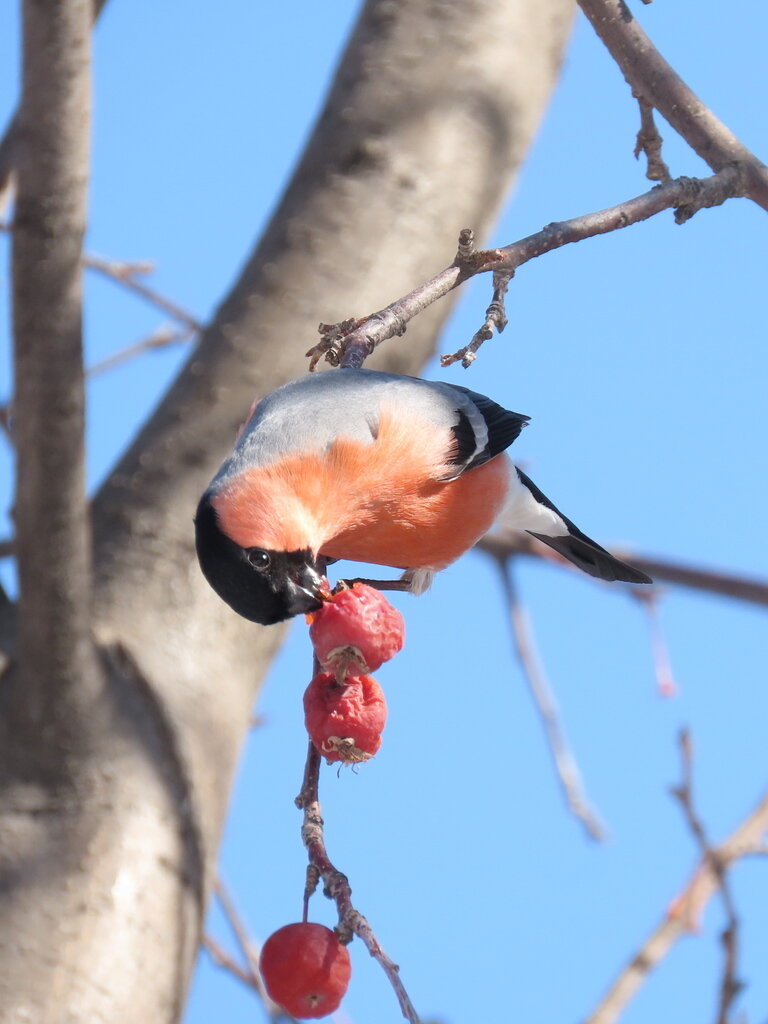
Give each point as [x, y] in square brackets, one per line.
[305, 969]
[356, 631]
[345, 720]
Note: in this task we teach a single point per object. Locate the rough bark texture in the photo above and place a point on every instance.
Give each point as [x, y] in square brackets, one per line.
[52, 535]
[431, 113]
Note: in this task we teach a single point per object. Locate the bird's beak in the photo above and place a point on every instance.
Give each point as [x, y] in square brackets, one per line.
[307, 590]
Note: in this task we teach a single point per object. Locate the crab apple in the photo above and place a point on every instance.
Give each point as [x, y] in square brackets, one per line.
[305, 969]
[345, 720]
[356, 631]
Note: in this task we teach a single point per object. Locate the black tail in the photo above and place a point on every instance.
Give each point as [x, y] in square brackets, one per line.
[591, 558]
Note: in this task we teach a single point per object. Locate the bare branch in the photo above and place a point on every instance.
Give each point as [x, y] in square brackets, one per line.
[222, 958]
[684, 911]
[127, 274]
[656, 82]
[685, 195]
[236, 923]
[501, 543]
[160, 338]
[337, 886]
[730, 986]
[52, 541]
[252, 975]
[163, 337]
[565, 763]
[662, 663]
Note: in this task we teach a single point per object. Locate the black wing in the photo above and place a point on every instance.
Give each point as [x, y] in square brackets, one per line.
[503, 428]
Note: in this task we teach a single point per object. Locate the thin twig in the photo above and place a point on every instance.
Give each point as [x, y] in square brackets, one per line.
[501, 543]
[251, 976]
[686, 195]
[730, 986]
[662, 663]
[163, 337]
[495, 320]
[337, 885]
[240, 932]
[649, 141]
[565, 763]
[222, 958]
[127, 275]
[684, 910]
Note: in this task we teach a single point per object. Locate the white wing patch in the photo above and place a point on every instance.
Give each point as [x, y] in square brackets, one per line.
[523, 512]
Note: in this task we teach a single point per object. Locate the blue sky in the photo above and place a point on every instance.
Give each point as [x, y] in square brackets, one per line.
[641, 359]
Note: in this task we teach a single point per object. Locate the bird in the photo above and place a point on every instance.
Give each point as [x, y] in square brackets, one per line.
[372, 467]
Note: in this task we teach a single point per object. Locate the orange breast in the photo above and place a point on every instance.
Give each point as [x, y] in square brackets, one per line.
[382, 502]
[430, 528]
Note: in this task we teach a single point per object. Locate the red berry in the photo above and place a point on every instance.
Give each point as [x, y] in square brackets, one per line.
[305, 969]
[345, 720]
[356, 631]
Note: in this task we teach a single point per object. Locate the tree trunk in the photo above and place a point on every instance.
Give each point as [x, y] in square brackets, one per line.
[107, 857]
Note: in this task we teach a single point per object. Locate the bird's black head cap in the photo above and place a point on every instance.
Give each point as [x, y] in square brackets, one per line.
[262, 586]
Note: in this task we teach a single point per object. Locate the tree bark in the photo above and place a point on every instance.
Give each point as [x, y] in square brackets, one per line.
[431, 113]
[9, 141]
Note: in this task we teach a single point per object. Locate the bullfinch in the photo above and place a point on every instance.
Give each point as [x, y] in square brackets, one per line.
[376, 468]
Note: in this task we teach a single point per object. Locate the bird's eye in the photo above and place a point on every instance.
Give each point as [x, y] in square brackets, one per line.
[258, 558]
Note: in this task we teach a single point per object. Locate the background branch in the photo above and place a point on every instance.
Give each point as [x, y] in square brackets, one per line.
[648, 598]
[730, 985]
[565, 764]
[683, 913]
[128, 275]
[501, 543]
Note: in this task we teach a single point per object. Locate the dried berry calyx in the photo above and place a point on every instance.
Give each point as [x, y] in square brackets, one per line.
[305, 969]
[345, 720]
[356, 631]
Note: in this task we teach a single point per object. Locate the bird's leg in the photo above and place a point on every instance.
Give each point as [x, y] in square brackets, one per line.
[400, 584]
[413, 581]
